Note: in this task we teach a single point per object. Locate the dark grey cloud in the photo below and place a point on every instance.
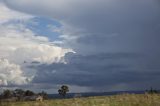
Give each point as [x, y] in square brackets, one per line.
[116, 42]
[99, 72]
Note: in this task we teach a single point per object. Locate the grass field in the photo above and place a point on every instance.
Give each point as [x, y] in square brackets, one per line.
[117, 100]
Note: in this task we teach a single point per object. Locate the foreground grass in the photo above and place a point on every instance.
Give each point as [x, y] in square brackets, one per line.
[117, 100]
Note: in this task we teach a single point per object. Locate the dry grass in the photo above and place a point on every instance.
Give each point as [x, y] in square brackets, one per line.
[117, 100]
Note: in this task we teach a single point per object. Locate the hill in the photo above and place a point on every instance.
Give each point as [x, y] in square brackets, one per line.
[90, 94]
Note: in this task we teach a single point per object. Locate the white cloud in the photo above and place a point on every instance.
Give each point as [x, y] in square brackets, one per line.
[42, 53]
[11, 74]
[20, 47]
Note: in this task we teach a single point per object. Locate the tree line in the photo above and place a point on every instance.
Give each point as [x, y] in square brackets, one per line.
[20, 93]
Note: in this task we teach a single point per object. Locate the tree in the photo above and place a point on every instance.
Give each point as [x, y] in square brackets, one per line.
[29, 93]
[19, 93]
[152, 91]
[63, 90]
[7, 93]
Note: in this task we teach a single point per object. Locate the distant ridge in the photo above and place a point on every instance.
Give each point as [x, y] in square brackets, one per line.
[89, 94]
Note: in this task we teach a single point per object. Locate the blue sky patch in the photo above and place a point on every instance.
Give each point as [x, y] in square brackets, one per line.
[39, 25]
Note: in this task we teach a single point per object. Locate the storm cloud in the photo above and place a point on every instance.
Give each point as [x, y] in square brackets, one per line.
[115, 42]
[101, 71]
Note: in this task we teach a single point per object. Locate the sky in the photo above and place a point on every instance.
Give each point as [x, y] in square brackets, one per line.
[89, 45]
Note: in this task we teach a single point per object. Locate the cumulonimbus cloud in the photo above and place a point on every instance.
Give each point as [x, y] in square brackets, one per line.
[92, 28]
[20, 47]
